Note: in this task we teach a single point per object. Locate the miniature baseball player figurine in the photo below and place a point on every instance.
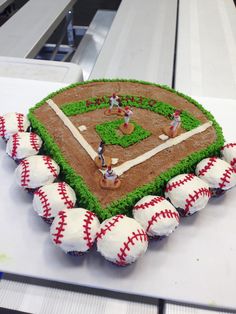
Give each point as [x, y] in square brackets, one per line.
[100, 160]
[174, 128]
[127, 127]
[176, 121]
[114, 101]
[110, 179]
[100, 153]
[128, 114]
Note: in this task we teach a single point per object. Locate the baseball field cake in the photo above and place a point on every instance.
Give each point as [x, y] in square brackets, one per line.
[132, 156]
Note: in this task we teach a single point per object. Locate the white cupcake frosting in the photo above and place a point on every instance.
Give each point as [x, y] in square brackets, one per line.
[156, 215]
[217, 173]
[23, 144]
[229, 154]
[52, 198]
[11, 123]
[74, 229]
[36, 171]
[121, 240]
[188, 192]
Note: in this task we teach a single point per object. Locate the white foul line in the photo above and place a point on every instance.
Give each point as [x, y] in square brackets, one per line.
[171, 142]
[133, 162]
[75, 132]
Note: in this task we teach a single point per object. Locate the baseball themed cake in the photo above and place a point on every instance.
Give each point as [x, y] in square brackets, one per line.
[121, 161]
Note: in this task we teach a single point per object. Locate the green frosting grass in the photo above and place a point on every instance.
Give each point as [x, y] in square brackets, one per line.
[156, 187]
[188, 122]
[108, 133]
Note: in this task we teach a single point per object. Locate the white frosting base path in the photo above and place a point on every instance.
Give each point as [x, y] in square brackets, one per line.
[74, 131]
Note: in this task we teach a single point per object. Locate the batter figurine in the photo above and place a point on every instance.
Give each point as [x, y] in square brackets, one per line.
[102, 161]
[100, 153]
[110, 180]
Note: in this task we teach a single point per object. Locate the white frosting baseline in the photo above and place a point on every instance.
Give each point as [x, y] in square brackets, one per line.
[75, 132]
[133, 162]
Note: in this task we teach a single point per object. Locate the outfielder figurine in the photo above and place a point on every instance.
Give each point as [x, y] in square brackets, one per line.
[127, 127]
[110, 180]
[114, 101]
[102, 161]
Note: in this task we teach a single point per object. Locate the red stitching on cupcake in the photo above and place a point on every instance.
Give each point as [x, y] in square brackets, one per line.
[229, 145]
[48, 162]
[34, 142]
[45, 203]
[233, 162]
[20, 120]
[208, 166]
[193, 197]
[15, 144]
[2, 127]
[60, 229]
[226, 177]
[176, 184]
[87, 229]
[152, 202]
[109, 225]
[25, 173]
[140, 235]
[162, 214]
[64, 196]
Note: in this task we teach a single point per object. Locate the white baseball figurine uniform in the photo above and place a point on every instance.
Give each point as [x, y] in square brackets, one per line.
[127, 117]
[176, 121]
[110, 175]
[114, 101]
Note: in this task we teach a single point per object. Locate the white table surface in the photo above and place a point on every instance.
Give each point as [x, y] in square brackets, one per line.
[196, 264]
